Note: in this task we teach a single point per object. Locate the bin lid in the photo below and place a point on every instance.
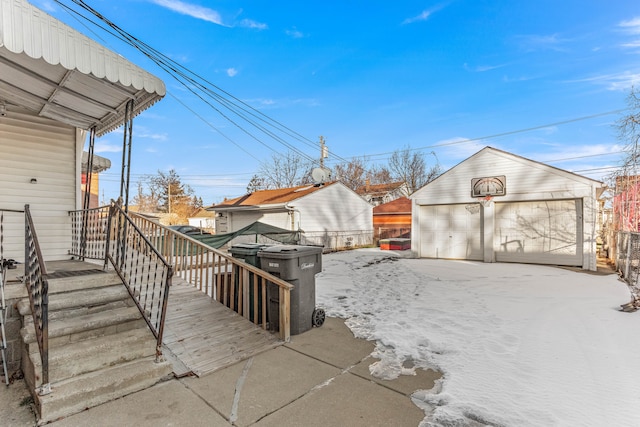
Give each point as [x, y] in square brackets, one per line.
[249, 246]
[289, 251]
[250, 249]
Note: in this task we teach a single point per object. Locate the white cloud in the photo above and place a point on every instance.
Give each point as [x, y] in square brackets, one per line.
[631, 26]
[633, 44]
[195, 11]
[294, 33]
[617, 81]
[46, 5]
[105, 147]
[532, 42]
[231, 72]
[249, 23]
[482, 68]
[423, 16]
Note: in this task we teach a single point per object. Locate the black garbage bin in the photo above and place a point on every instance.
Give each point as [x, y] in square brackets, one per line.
[297, 265]
[248, 252]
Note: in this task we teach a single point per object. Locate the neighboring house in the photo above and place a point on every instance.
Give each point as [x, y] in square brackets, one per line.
[204, 219]
[378, 194]
[499, 207]
[55, 86]
[392, 219]
[100, 164]
[330, 215]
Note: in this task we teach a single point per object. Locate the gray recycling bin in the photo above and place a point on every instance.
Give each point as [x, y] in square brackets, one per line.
[248, 252]
[297, 265]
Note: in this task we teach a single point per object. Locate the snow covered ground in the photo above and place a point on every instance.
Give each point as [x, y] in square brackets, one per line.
[519, 345]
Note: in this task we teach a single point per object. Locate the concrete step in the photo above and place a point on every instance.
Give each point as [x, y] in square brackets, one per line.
[87, 326]
[95, 354]
[77, 302]
[88, 390]
[85, 281]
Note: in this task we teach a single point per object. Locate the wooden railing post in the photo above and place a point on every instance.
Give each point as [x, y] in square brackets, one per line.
[222, 277]
[285, 314]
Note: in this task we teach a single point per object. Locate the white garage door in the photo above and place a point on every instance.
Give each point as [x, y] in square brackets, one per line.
[543, 232]
[451, 231]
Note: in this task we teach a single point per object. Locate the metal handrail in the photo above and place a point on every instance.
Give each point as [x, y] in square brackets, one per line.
[38, 289]
[89, 233]
[142, 269]
[230, 281]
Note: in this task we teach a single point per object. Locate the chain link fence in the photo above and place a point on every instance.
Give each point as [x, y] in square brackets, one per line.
[628, 259]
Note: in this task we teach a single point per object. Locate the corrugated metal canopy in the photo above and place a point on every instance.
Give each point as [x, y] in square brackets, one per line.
[57, 72]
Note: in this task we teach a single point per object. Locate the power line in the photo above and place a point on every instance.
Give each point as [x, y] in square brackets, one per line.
[206, 91]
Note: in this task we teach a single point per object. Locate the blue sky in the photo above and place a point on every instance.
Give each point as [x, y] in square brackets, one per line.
[539, 79]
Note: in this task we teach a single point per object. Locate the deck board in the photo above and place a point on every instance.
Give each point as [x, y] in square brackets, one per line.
[203, 336]
[200, 335]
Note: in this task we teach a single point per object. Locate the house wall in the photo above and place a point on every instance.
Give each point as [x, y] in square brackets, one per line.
[335, 217]
[32, 147]
[240, 219]
[525, 181]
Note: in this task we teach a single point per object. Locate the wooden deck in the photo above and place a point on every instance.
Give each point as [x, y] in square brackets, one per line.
[202, 335]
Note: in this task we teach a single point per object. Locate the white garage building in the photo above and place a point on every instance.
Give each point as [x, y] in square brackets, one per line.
[499, 207]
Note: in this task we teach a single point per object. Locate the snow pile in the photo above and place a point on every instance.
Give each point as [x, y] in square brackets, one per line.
[519, 345]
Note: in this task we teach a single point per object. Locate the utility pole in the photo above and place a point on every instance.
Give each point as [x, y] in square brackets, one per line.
[323, 152]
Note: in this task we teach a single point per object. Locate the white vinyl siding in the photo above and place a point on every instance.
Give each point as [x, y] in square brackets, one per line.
[451, 231]
[35, 148]
[333, 208]
[547, 215]
[333, 216]
[541, 232]
[241, 219]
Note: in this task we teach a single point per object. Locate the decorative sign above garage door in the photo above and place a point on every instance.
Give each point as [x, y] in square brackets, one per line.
[489, 186]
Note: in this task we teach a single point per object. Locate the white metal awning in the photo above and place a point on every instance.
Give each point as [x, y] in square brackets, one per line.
[57, 72]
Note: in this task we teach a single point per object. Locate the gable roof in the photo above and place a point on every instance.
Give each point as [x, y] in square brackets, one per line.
[401, 205]
[57, 72]
[277, 197]
[379, 189]
[515, 157]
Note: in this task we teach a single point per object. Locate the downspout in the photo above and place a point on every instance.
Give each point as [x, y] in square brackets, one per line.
[292, 212]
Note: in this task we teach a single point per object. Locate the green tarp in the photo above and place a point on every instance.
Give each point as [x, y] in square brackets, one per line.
[257, 228]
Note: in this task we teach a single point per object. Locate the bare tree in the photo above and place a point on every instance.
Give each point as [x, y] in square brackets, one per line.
[628, 127]
[283, 171]
[165, 192]
[256, 183]
[146, 202]
[411, 168]
[353, 174]
[380, 175]
[626, 179]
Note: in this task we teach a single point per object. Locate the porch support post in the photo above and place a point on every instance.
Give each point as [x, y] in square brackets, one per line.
[126, 155]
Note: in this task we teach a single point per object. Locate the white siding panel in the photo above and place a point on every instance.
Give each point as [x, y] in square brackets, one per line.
[541, 232]
[41, 149]
[334, 208]
[240, 219]
[526, 180]
[451, 231]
